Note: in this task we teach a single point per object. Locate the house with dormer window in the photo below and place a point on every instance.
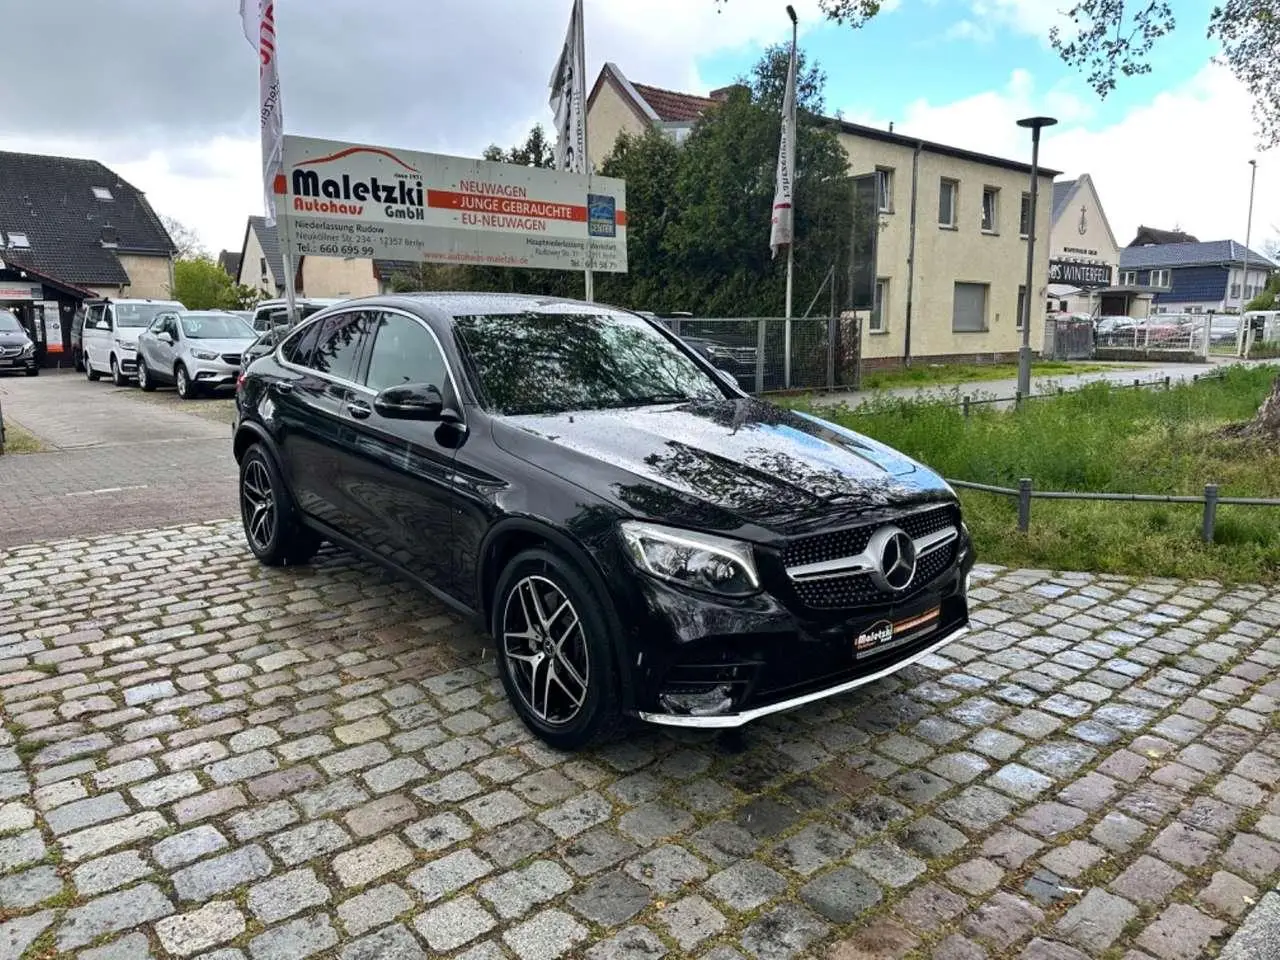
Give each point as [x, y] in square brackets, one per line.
[1218, 276]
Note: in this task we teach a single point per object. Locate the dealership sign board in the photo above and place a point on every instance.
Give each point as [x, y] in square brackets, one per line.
[1080, 274]
[351, 200]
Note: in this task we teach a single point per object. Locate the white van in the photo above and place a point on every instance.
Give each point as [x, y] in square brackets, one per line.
[109, 341]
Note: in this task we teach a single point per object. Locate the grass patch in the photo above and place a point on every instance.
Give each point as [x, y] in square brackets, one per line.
[1105, 438]
[941, 374]
[219, 408]
[18, 439]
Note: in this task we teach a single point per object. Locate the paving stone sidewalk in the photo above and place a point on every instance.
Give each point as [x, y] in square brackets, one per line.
[202, 757]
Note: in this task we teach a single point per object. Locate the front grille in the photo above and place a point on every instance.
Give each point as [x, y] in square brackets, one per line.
[10, 351]
[857, 589]
[231, 358]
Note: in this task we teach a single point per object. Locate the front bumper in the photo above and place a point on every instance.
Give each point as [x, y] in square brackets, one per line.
[213, 373]
[698, 661]
[11, 363]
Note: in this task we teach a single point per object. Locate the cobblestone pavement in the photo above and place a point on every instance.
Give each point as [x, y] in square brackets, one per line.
[116, 463]
[202, 757]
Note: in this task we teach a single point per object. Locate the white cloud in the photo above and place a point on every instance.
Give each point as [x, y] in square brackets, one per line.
[1180, 159]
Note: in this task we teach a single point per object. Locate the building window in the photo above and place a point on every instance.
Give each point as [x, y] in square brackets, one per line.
[102, 193]
[879, 322]
[1129, 279]
[969, 308]
[990, 209]
[948, 198]
[1235, 288]
[884, 188]
[1024, 217]
[262, 263]
[1159, 278]
[1022, 302]
[18, 241]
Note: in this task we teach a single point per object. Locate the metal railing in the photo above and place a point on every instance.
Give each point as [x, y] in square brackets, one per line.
[1026, 492]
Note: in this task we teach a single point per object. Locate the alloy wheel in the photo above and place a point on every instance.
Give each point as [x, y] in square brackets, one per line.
[142, 373]
[183, 384]
[546, 650]
[257, 500]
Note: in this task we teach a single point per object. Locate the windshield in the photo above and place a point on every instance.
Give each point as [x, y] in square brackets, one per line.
[138, 314]
[9, 323]
[215, 326]
[550, 362]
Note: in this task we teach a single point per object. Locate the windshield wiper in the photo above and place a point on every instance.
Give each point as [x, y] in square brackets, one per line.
[646, 399]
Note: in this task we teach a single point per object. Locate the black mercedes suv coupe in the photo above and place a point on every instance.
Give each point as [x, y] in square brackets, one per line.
[640, 538]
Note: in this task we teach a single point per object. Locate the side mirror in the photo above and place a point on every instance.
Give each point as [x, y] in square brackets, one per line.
[413, 401]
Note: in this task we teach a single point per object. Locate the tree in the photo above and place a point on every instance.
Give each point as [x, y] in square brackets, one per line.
[184, 238]
[1109, 40]
[1269, 296]
[200, 283]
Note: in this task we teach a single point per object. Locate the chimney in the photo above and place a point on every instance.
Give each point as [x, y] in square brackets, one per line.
[721, 94]
[109, 236]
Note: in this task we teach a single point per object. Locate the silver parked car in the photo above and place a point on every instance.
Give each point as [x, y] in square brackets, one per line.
[197, 350]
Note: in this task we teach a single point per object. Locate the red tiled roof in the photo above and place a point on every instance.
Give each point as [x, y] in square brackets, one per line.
[672, 106]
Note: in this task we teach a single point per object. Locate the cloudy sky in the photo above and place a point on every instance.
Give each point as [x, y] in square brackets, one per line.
[165, 91]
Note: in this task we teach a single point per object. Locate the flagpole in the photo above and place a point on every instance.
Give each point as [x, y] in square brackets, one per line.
[791, 260]
[589, 279]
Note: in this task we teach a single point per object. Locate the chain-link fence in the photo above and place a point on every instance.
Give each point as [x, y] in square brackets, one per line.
[772, 354]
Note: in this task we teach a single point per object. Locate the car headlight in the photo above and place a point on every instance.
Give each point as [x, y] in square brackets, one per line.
[28, 350]
[204, 355]
[126, 344]
[697, 560]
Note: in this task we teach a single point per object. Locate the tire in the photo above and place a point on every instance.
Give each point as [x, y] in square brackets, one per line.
[145, 380]
[271, 525]
[570, 718]
[117, 375]
[182, 380]
[77, 361]
[89, 372]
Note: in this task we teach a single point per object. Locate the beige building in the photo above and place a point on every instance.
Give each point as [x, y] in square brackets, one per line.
[951, 264]
[262, 267]
[1084, 259]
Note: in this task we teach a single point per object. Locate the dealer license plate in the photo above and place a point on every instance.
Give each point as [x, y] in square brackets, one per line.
[887, 634]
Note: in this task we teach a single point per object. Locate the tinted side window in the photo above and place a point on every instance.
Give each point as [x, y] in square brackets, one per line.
[298, 349]
[94, 321]
[108, 319]
[403, 352]
[339, 346]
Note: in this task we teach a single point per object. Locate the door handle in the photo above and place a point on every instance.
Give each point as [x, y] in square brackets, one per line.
[283, 386]
[359, 409]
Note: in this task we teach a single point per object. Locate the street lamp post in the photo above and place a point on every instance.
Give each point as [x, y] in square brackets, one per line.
[1244, 281]
[1024, 352]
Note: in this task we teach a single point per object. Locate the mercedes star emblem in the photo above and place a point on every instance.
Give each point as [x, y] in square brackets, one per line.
[897, 553]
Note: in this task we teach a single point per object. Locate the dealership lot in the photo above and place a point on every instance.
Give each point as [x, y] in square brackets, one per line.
[205, 757]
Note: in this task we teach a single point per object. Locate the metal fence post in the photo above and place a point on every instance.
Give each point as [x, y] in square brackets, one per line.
[675, 326]
[832, 324]
[761, 343]
[1024, 504]
[1210, 511]
[1167, 381]
[966, 406]
[1017, 399]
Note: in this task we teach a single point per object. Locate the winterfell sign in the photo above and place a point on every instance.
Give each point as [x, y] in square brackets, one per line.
[355, 201]
[1080, 274]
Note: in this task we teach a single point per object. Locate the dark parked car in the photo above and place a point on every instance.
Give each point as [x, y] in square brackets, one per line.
[639, 537]
[17, 349]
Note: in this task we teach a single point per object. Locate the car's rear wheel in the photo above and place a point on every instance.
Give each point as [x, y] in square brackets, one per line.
[117, 375]
[77, 361]
[89, 372]
[186, 389]
[144, 376]
[271, 525]
[556, 651]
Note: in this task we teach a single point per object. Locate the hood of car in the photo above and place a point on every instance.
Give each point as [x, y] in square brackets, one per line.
[238, 345]
[14, 339]
[724, 463]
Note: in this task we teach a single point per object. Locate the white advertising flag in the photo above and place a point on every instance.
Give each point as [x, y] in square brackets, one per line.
[781, 231]
[260, 30]
[568, 98]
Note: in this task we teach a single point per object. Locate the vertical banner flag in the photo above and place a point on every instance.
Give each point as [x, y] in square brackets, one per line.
[781, 232]
[260, 30]
[568, 98]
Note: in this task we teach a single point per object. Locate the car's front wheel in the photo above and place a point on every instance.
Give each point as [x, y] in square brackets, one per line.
[145, 380]
[182, 379]
[271, 525]
[89, 372]
[117, 375]
[556, 651]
